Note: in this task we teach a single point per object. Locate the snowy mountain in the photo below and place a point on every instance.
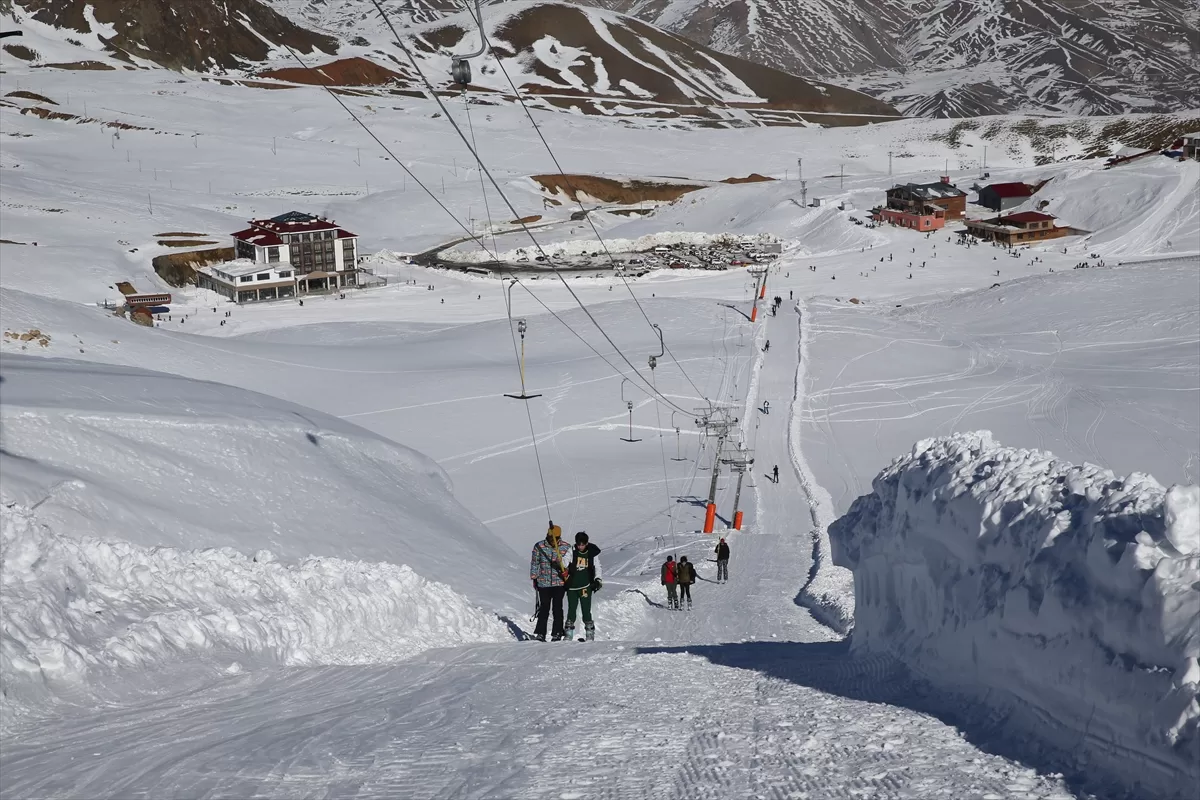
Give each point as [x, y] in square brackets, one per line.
[581, 60]
[956, 58]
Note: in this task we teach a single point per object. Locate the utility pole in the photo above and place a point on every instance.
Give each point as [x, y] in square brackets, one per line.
[841, 176]
[760, 289]
[800, 167]
[985, 156]
[739, 462]
[890, 152]
[804, 193]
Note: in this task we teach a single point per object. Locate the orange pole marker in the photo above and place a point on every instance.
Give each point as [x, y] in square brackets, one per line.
[710, 516]
[754, 313]
[762, 295]
[737, 521]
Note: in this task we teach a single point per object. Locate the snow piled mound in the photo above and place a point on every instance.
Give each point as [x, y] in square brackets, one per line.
[75, 611]
[1068, 592]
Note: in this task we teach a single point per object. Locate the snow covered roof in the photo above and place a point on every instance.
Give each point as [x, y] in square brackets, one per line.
[257, 237]
[1010, 189]
[931, 191]
[1027, 216]
[243, 266]
[293, 222]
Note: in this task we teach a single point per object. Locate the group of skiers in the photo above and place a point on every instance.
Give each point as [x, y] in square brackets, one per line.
[559, 570]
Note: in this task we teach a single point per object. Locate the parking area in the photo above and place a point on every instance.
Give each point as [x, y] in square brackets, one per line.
[676, 256]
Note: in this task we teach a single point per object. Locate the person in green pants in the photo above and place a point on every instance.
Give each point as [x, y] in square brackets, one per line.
[583, 580]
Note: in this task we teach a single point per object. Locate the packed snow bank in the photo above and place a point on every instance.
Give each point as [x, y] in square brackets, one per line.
[1051, 588]
[77, 611]
[162, 460]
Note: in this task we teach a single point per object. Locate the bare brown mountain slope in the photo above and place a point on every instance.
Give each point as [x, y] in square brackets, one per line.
[201, 35]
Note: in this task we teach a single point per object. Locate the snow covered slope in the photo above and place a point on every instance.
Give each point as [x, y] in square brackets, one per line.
[156, 517]
[1062, 594]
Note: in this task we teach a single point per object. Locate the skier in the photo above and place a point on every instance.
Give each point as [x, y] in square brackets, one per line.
[549, 577]
[667, 577]
[767, 346]
[722, 551]
[766, 406]
[775, 473]
[685, 574]
[583, 580]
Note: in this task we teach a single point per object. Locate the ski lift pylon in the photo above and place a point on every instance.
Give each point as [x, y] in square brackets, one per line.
[522, 326]
[629, 406]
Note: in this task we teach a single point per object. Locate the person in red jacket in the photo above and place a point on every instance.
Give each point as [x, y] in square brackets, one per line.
[668, 580]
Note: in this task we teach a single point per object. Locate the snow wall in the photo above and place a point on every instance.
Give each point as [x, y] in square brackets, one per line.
[1064, 593]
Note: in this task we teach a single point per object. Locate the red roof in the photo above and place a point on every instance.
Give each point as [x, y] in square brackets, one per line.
[293, 227]
[256, 237]
[1027, 216]
[345, 234]
[1010, 189]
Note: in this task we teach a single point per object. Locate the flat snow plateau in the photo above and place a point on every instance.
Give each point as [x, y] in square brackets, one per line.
[222, 576]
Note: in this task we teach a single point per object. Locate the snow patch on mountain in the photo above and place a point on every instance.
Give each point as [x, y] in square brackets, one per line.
[1035, 584]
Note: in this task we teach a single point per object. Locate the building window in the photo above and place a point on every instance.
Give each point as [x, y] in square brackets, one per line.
[245, 279]
[285, 273]
[328, 234]
[306, 237]
[263, 276]
[273, 254]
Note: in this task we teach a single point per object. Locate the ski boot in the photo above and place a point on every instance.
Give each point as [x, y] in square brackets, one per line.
[589, 631]
[557, 637]
[540, 637]
[569, 634]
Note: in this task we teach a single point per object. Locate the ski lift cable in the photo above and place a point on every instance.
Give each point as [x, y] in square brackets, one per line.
[662, 448]
[471, 234]
[528, 414]
[573, 192]
[386, 149]
[482, 188]
[495, 184]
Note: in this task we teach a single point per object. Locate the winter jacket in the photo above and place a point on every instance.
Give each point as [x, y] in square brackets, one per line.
[545, 568]
[582, 567]
[668, 572]
[722, 551]
[685, 573]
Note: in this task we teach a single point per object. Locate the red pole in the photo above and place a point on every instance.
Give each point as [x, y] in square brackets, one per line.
[763, 293]
[754, 313]
[710, 516]
[737, 521]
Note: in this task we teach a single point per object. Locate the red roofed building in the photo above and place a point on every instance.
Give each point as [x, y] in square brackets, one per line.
[1021, 228]
[1003, 196]
[308, 243]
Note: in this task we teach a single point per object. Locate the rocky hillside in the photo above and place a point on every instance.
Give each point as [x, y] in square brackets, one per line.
[962, 57]
[202, 35]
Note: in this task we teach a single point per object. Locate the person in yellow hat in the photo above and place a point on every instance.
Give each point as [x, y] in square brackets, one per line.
[548, 571]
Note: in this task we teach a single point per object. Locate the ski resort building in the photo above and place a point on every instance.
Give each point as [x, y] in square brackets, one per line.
[915, 198]
[1191, 146]
[1003, 196]
[285, 256]
[306, 242]
[1021, 228]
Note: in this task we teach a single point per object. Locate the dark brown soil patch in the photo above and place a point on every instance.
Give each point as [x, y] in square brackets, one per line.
[46, 113]
[526, 220]
[184, 243]
[180, 233]
[179, 269]
[608, 190]
[343, 72]
[82, 65]
[9, 241]
[125, 287]
[31, 96]
[753, 177]
[21, 51]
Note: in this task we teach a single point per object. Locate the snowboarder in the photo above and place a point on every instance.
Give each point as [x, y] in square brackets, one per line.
[583, 580]
[685, 575]
[667, 577]
[722, 551]
[775, 473]
[549, 577]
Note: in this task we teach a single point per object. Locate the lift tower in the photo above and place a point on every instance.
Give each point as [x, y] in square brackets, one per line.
[716, 421]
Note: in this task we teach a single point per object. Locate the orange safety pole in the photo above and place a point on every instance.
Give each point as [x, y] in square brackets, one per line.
[754, 313]
[710, 516]
[762, 295]
[737, 521]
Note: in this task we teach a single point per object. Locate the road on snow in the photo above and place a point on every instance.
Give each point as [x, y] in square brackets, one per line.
[746, 696]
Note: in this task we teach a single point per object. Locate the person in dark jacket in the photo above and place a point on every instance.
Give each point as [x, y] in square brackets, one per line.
[583, 580]
[668, 576]
[686, 576]
[548, 572]
[722, 551]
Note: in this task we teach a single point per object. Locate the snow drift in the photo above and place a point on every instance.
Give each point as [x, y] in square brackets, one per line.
[1068, 592]
[75, 612]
